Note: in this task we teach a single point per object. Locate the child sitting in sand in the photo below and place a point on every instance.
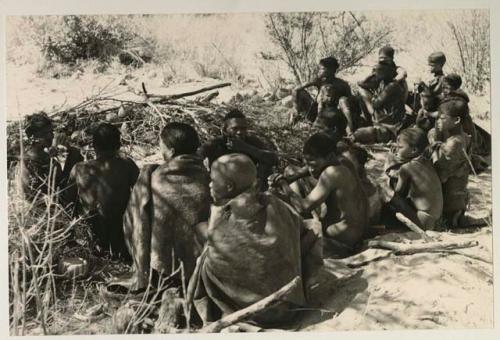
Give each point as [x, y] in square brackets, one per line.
[417, 188]
[450, 147]
[339, 188]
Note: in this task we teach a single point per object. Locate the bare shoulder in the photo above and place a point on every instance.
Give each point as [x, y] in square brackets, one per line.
[336, 172]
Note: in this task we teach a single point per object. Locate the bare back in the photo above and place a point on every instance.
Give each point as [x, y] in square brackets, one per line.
[424, 187]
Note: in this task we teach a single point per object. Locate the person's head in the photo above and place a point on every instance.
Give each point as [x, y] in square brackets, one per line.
[106, 138]
[428, 100]
[451, 114]
[327, 67]
[319, 152]
[436, 62]
[384, 71]
[39, 127]
[386, 54]
[230, 175]
[178, 139]
[451, 82]
[410, 143]
[235, 124]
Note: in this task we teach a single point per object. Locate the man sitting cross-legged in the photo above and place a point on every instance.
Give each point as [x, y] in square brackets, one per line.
[166, 204]
[339, 187]
[255, 246]
[101, 189]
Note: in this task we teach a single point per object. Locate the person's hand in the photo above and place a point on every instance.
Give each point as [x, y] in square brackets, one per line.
[237, 145]
[275, 179]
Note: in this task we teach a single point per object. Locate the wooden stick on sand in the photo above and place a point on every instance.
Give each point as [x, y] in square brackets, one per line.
[259, 306]
[406, 249]
[413, 227]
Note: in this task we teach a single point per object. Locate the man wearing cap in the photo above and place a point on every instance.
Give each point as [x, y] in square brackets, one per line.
[336, 96]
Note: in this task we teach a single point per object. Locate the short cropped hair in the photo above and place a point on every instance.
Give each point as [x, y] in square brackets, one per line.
[37, 122]
[415, 137]
[234, 113]
[319, 145]
[180, 137]
[330, 63]
[386, 51]
[455, 107]
[453, 80]
[106, 137]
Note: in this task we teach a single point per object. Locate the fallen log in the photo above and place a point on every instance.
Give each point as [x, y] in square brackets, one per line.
[162, 98]
[413, 227]
[257, 307]
[407, 249]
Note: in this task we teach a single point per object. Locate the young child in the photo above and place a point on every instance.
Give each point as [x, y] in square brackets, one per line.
[339, 188]
[436, 63]
[102, 187]
[426, 116]
[451, 149]
[417, 188]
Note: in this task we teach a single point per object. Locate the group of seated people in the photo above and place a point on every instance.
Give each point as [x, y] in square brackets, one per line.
[254, 230]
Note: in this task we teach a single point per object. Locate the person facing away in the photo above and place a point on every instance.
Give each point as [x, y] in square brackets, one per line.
[167, 202]
[236, 138]
[388, 108]
[334, 94]
[417, 187]
[39, 154]
[337, 186]
[101, 189]
[253, 246]
[450, 147]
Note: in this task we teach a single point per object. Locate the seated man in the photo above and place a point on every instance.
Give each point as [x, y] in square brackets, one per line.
[370, 84]
[39, 154]
[388, 108]
[339, 187]
[236, 139]
[166, 204]
[253, 248]
[333, 94]
[101, 188]
[417, 189]
[451, 150]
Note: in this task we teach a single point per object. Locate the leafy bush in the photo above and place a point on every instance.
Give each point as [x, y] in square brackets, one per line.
[303, 38]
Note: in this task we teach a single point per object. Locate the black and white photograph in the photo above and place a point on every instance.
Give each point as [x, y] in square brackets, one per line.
[248, 171]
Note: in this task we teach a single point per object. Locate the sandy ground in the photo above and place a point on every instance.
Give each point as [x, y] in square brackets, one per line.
[428, 290]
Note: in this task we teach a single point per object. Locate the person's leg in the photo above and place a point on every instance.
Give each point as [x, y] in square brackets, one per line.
[403, 206]
[304, 106]
[350, 107]
[365, 135]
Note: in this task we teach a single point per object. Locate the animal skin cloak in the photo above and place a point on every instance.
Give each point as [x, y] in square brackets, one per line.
[165, 205]
[253, 249]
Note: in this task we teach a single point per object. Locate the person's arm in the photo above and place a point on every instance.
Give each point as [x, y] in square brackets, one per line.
[307, 85]
[69, 195]
[401, 74]
[403, 181]
[315, 198]
[385, 96]
[258, 152]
